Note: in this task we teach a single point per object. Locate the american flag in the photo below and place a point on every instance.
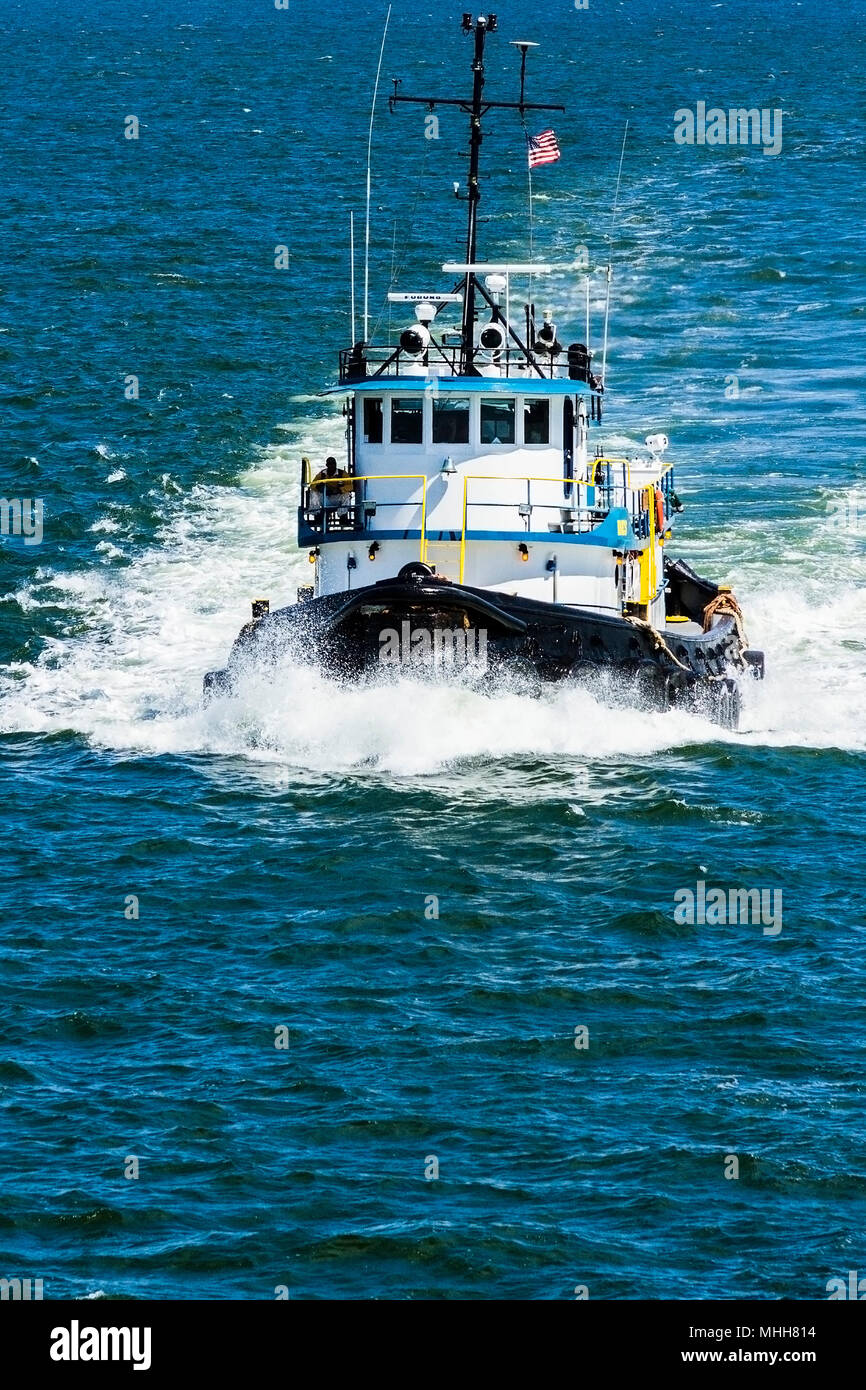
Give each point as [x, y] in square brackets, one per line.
[543, 149]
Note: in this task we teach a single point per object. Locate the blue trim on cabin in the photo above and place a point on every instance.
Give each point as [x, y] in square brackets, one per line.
[605, 535]
[461, 385]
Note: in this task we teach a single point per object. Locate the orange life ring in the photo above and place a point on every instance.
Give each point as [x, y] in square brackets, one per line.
[660, 511]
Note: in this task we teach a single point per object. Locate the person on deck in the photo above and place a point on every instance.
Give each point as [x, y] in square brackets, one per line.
[332, 488]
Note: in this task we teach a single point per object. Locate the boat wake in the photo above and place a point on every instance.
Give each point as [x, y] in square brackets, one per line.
[125, 673]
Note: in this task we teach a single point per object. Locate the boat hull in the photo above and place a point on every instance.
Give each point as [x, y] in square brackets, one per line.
[418, 623]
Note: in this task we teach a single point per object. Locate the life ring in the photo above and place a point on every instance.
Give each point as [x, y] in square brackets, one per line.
[660, 511]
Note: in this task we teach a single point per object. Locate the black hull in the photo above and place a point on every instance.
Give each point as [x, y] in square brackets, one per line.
[357, 635]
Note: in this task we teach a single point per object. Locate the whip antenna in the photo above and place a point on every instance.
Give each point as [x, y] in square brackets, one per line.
[524, 45]
[352, 272]
[609, 255]
[369, 157]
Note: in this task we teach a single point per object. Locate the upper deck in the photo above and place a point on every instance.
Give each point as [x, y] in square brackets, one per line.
[492, 342]
[381, 363]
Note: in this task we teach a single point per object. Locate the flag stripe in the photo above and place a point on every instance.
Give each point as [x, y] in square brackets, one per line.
[543, 149]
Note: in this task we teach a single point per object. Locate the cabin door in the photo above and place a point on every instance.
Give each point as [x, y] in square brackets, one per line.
[568, 446]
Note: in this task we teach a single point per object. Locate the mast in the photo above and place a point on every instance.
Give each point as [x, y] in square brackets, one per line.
[476, 110]
[474, 192]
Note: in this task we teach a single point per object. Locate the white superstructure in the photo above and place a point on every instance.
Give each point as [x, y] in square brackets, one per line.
[490, 478]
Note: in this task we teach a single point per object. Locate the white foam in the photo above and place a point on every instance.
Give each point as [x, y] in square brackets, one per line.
[129, 676]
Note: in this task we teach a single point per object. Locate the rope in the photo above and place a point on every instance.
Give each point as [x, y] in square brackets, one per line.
[659, 643]
[724, 604]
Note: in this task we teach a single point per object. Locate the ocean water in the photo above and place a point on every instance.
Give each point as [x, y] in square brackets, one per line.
[430, 888]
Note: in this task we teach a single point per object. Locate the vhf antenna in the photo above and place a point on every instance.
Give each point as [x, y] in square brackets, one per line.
[369, 159]
[476, 108]
[610, 259]
[524, 45]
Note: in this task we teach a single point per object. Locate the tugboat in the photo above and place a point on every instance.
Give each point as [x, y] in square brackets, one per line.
[474, 529]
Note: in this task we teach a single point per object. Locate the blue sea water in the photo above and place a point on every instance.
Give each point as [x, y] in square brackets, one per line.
[431, 889]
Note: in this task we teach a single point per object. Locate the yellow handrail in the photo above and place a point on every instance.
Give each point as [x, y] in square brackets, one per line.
[652, 567]
[656, 477]
[648, 562]
[652, 542]
[593, 464]
[386, 477]
[501, 478]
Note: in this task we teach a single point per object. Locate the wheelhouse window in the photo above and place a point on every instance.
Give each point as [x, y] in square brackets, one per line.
[497, 422]
[536, 422]
[407, 420]
[373, 420]
[451, 420]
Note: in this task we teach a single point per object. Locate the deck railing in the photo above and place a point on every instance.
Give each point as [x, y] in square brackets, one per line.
[559, 514]
[446, 360]
[344, 508]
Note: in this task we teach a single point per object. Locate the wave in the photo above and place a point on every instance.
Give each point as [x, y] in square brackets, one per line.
[128, 677]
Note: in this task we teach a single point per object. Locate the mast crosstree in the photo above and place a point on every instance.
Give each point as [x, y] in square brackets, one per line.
[476, 109]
